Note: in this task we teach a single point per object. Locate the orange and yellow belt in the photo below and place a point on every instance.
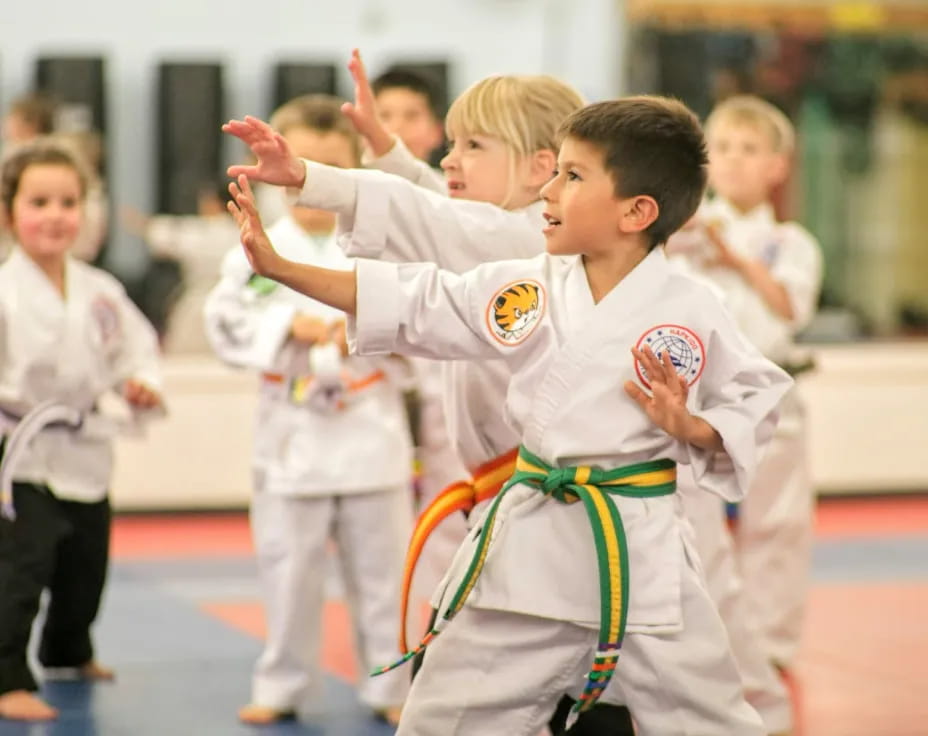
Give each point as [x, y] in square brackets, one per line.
[486, 482]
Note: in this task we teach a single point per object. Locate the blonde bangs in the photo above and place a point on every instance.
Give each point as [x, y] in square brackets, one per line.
[522, 111]
[756, 112]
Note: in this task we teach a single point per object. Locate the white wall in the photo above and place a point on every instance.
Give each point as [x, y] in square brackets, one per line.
[580, 40]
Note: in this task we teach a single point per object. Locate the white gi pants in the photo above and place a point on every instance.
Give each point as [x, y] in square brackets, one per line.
[370, 531]
[497, 673]
[774, 537]
[763, 688]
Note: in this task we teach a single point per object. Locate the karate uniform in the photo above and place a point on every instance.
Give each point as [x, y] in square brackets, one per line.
[774, 534]
[381, 217]
[332, 459]
[199, 244]
[72, 350]
[528, 631]
[440, 382]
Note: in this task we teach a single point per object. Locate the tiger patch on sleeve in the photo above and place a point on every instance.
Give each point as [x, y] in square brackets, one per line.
[515, 311]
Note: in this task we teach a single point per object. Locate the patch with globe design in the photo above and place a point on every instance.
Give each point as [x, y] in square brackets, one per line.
[686, 351]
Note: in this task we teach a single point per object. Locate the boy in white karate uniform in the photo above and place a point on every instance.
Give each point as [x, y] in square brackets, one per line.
[630, 173]
[770, 273]
[332, 449]
[69, 338]
[403, 223]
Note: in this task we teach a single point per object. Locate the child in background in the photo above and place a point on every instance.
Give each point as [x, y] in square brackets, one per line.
[630, 173]
[408, 108]
[332, 449]
[197, 244]
[68, 335]
[770, 273]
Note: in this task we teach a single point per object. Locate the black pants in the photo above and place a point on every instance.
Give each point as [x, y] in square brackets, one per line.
[62, 546]
[614, 720]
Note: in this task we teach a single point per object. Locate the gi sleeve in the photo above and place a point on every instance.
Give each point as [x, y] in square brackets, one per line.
[738, 395]
[799, 268]
[245, 325]
[400, 162]
[388, 218]
[417, 309]
[138, 356]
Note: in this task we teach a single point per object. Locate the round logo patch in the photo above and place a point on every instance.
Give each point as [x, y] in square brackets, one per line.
[685, 349]
[515, 311]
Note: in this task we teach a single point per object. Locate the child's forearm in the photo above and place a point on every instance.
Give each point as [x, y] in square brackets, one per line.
[770, 290]
[338, 289]
[699, 433]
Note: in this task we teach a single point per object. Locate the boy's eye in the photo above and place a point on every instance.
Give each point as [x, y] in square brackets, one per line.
[472, 144]
[69, 202]
[39, 201]
[573, 176]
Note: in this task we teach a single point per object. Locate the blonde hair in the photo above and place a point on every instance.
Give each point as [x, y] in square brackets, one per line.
[321, 113]
[523, 111]
[752, 110]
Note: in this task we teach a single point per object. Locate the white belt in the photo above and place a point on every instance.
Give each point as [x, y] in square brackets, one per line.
[45, 414]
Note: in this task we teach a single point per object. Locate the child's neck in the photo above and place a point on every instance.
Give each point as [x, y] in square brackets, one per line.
[605, 270]
[54, 269]
[744, 206]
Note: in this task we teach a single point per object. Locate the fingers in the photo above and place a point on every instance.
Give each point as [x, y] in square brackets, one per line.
[649, 362]
[635, 392]
[237, 170]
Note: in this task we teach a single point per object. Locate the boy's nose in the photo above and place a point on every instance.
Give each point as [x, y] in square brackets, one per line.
[547, 192]
[448, 161]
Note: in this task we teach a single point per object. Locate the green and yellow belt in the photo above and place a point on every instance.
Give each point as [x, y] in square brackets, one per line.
[590, 486]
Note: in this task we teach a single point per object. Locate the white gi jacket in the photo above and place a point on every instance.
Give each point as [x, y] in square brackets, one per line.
[299, 448]
[385, 217]
[786, 248]
[72, 350]
[570, 358]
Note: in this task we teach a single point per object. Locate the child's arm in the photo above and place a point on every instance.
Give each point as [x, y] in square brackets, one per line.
[335, 288]
[666, 406]
[387, 152]
[137, 362]
[409, 310]
[385, 217]
[755, 273]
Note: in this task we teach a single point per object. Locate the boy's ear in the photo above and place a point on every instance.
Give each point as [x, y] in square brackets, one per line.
[543, 164]
[638, 213]
[779, 169]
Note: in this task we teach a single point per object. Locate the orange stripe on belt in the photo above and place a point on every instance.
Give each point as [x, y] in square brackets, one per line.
[487, 481]
[350, 384]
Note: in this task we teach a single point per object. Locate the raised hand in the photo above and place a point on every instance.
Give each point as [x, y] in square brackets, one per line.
[261, 254]
[139, 395]
[666, 406]
[363, 113]
[276, 163]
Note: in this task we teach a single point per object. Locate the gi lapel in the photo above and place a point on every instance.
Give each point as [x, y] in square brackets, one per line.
[587, 326]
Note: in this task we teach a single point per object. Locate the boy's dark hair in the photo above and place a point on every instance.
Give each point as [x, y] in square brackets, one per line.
[322, 113]
[38, 110]
[38, 152]
[652, 146]
[399, 78]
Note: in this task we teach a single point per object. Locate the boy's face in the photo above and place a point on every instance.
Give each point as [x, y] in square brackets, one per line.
[743, 165]
[331, 148]
[582, 209]
[47, 210]
[407, 114]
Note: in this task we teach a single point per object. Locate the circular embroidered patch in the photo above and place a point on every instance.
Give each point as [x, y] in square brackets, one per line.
[515, 311]
[685, 349]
